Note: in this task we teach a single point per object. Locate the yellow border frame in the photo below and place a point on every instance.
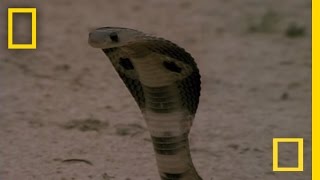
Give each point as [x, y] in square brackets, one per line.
[315, 74]
[315, 88]
[33, 44]
[275, 152]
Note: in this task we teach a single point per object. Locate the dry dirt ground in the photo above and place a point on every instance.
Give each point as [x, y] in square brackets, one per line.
[66, 115]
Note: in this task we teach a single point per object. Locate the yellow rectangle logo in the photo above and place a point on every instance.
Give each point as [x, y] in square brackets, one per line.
[33, 44]
[276, 142]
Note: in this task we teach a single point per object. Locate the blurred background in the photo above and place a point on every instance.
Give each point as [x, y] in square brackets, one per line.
[66, 115]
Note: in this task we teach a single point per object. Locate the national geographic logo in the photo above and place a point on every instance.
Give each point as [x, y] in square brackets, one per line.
[33, 44]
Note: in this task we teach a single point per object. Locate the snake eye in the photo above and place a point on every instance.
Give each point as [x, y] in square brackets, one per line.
[114, 37]
[126, 63]
[171, 66]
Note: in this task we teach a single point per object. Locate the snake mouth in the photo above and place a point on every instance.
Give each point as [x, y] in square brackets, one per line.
[96, 39]
[93, 44]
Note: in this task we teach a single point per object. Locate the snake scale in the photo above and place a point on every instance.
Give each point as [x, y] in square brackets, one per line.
[165, 82]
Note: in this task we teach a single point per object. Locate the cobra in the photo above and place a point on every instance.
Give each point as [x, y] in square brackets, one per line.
[165, 82]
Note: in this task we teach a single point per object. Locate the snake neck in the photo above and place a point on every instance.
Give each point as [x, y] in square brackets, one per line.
[169, 125]
[174, 159]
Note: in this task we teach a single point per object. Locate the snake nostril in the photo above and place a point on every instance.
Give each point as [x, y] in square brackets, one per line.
[92, 37]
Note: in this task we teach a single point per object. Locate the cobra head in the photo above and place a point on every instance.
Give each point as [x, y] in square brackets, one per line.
[110, 37]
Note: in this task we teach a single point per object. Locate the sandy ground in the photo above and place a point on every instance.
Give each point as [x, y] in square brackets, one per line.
[66, 115]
